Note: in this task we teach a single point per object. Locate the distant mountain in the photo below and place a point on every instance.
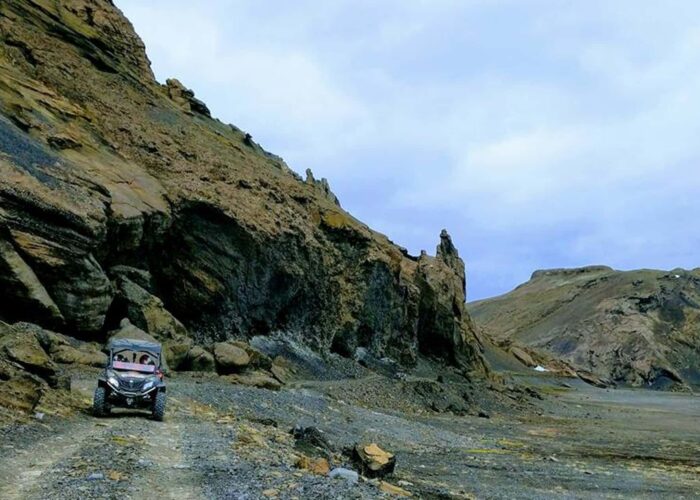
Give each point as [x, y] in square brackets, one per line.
[636, 327]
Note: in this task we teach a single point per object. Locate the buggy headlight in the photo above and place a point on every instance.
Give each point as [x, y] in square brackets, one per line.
[113, 381]
[148, 385]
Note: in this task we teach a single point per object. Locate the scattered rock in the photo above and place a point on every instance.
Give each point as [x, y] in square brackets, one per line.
[96, 476]
[374, 461]
[317, 466]
[393, 490]
[257, 379]
[312, 440]
[350, 476]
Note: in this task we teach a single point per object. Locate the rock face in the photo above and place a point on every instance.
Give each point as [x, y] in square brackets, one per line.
[29, 363]
[637, 327]
[121, 197]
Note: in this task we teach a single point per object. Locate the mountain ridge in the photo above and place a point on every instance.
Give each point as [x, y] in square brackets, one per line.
[634, 327]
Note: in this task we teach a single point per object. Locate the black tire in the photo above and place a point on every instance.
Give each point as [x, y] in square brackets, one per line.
[99, 402]
[159, 406]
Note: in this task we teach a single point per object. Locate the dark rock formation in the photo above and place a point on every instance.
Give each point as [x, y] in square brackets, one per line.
[636, 327]
[123, 198]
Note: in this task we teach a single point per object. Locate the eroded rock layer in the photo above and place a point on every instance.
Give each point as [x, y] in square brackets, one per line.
[636, 327]
[123, 198]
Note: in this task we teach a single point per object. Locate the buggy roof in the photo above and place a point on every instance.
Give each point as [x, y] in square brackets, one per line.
[134, 345]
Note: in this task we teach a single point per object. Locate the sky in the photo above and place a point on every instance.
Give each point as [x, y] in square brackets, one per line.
[539, 133]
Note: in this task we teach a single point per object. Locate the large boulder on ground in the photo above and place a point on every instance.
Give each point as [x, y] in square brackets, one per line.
[26, 371]
[230, 358]
[199, 360]
[21, 346]
[19, 389]
[258, 359]
[66, 350]
[373, 461]
[175, 352]
[127, 330]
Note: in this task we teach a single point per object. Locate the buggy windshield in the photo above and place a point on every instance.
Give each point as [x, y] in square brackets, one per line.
[137, 361]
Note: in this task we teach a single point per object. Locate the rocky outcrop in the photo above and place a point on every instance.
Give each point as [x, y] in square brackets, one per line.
[29, 363]
[636, 327]
[123, 198]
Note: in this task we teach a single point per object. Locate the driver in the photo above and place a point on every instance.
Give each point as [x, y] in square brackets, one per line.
[120, 358]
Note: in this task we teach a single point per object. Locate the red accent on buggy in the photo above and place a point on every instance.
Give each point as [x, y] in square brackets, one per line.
[134, 367]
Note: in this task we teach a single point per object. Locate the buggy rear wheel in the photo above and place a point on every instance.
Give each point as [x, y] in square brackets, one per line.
[99, 402]
[159, 406]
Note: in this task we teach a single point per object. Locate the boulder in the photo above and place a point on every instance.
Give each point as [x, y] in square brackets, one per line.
[312, 441]
[280, 373]
[199, 360]
[373, 461]
[175, 353]
[66, 350]
[22, 347]
[258, 359]
[259, 379]
[127, 330]
[87, 356]
[19, 390]
[230, 358]
[393, 490]
[317, 466]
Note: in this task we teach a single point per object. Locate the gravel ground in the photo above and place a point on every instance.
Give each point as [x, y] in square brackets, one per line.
[226, 441]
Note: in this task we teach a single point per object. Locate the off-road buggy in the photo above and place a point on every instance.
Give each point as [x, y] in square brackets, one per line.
[133, 378]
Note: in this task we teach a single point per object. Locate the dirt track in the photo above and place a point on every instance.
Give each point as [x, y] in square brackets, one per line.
[219, 441]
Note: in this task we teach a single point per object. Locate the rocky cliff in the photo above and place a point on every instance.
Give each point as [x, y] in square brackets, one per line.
[123, 198]
[637, 327]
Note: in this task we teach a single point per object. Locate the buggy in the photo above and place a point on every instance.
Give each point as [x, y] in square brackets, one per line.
[133, 378]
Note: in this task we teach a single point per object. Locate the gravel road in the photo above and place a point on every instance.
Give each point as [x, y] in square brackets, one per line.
[226, 441]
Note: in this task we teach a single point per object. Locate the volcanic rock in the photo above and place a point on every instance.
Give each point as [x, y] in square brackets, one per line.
[103, 169]
[199, 360]
[373, 461]
[640, 328]
[230, 358]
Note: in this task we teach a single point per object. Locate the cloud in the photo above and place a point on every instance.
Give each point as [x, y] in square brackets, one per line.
[541, 134]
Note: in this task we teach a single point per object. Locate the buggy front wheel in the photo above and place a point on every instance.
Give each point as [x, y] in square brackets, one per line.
[99, 402]
[159, 406]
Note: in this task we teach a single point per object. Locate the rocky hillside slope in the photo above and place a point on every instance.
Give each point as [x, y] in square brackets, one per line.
[123, 198]
[637, 327]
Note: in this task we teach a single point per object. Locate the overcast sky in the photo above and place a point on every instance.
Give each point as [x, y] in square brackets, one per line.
[539, 133]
